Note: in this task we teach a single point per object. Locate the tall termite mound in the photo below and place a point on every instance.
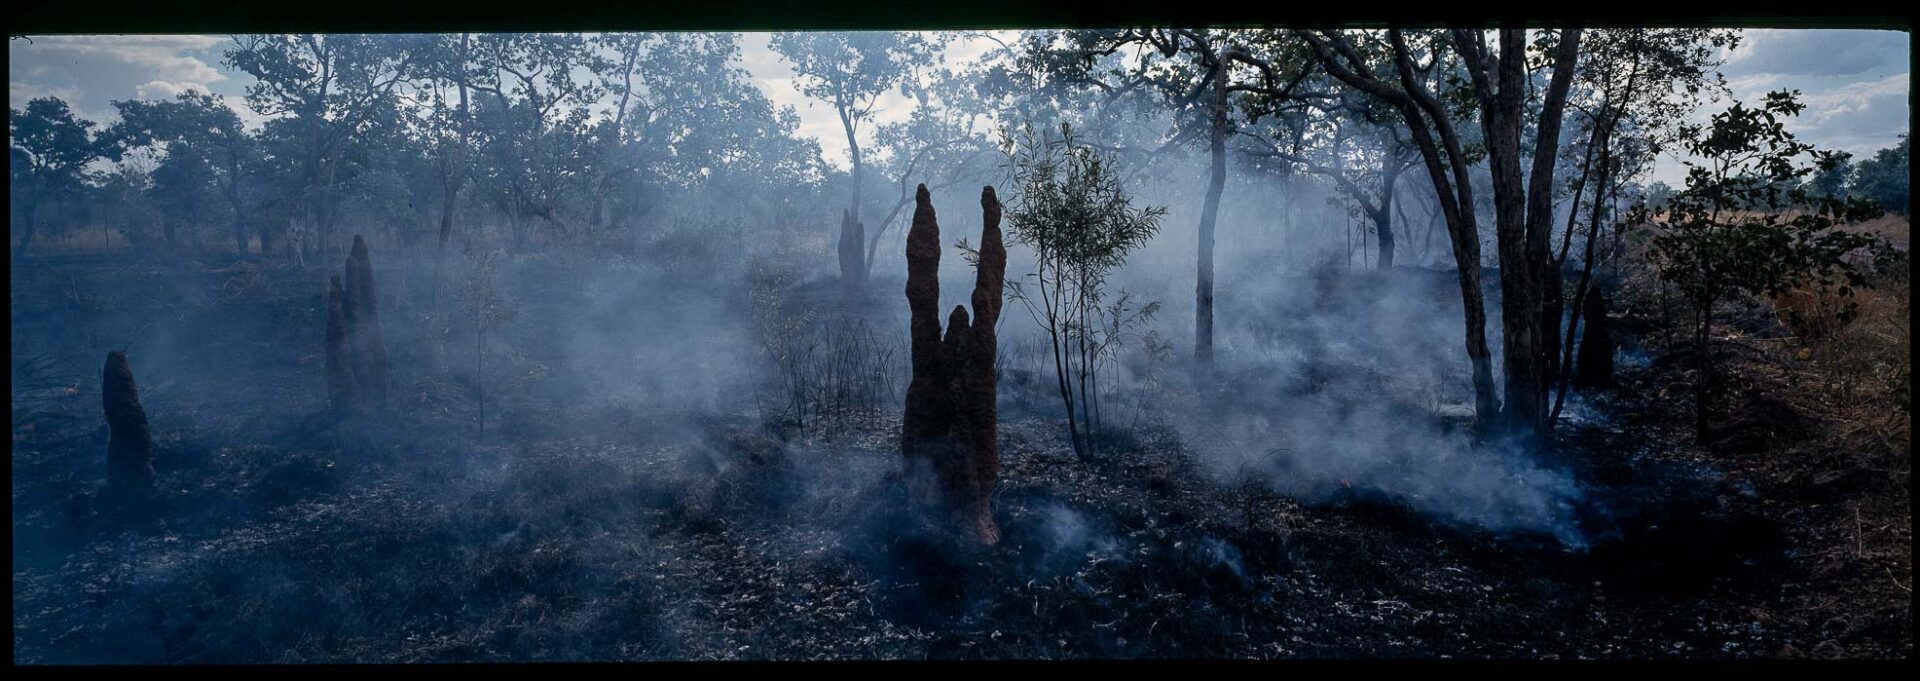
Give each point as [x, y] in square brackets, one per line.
[357, 363]
[1593, 367]
[130, 438]
[949, 433]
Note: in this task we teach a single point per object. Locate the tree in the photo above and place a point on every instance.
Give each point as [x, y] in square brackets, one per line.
[1430, 124]
[850, 71]
[1631, 88]
[327, 86]
[209, 157]
[1734, 230]
[1885, 177]
[48, 151]
[1329, 145]
[1200, 88]
[937, 143]
[1080, 224]
[534, 119]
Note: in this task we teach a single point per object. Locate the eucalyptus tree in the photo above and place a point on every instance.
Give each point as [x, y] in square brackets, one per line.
[942, 143]
[440, 98]
[1733, 230]
[1199, 75]
[1499, 92]
[532, 116]
[48, 149]
[1633, 88]
[1356, 144]
[684, 113]
[1885, 177]
[1417, 73]
[208, 158]
[850, 71]
[326, 85]
[1080, 223]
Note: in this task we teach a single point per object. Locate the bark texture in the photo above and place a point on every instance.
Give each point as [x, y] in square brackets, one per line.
[950, 430]
[130, 440]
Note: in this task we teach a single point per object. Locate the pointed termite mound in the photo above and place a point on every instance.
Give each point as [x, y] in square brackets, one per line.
[366, 342]
[853, 262]
[1593, 367]
[341, 386]
[130, 439]
[949, 432]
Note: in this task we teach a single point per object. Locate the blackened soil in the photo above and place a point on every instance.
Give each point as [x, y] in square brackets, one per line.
[662, 535]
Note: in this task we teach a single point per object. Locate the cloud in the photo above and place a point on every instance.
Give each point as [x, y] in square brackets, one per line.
[160, 89]
[1860, 118]
[1818, 52]
[89, 72]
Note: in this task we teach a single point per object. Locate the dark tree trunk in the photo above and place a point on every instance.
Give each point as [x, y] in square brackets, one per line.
[949, 431]
[130, 438]
[1383, 219]
[1523, 210]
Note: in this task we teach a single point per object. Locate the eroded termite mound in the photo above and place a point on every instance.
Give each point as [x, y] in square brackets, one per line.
[130, 437]
[357, 362]
[949, 431]
[1593, 368]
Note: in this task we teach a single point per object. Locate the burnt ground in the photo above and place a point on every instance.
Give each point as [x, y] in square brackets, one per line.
[618, 531]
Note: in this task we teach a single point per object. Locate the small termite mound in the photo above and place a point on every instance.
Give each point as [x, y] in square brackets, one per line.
[949, 432]
[130, 437]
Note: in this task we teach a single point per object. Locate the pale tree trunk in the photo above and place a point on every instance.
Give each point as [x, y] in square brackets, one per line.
[1209, 212]
[852, 245]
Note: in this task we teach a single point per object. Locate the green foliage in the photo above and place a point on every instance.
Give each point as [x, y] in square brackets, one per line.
[1078, 220]
[1885, 177]
[48, 150]
[1745, 224]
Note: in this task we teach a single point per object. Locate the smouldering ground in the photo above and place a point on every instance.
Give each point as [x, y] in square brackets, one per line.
[627, 532]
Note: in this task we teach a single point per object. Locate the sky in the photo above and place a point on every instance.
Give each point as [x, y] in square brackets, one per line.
[1855, 82]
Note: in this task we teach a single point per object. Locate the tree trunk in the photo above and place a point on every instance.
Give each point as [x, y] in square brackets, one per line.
[1209, 212]
[949, 431]
[853, 239]
[1524, 212]
[29, 226]
[1383, 221]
